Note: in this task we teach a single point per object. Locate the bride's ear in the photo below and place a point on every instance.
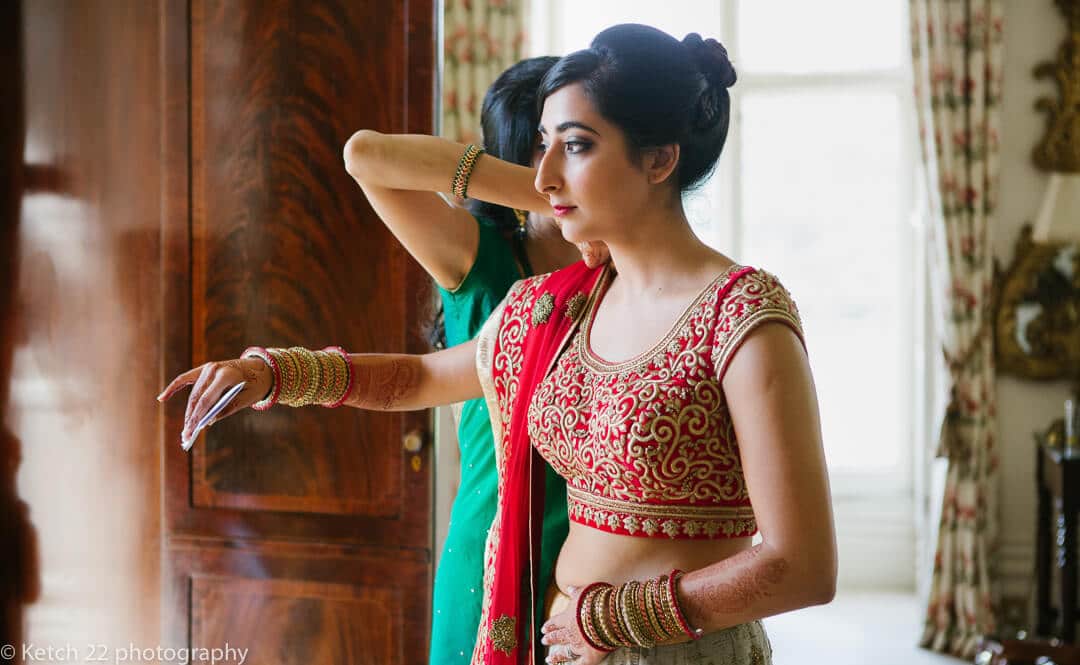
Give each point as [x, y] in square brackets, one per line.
[660, 162]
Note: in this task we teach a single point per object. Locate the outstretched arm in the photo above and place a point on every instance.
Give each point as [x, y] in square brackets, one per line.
[388, 382]
[381, 382]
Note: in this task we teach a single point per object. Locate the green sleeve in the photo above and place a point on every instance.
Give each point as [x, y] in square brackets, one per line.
[466, 307]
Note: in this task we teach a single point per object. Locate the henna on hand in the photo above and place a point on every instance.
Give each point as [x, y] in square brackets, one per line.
[249, 374]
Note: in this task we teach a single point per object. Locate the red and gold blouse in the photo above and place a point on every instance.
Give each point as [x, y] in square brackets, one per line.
[647, 446]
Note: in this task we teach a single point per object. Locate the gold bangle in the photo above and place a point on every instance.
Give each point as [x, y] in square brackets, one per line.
[316, 376]
[638, 629]
[288, 377]
[653, 612]
[291, 393]
[459, 184]
[334, 386]
[325, 377]
[656, 608]
[603, 610]
[342, 368]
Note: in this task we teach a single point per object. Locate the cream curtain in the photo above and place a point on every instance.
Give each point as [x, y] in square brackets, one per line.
[481, 39]
[957, 50]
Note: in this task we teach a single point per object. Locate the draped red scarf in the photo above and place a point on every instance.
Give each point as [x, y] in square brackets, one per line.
[508, 636]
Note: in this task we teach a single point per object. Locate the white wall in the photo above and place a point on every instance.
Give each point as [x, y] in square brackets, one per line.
[1033, 31]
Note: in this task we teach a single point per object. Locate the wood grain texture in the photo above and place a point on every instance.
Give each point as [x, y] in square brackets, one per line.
[283, 252]
[294, 602]
[283, 249]
[286, 621]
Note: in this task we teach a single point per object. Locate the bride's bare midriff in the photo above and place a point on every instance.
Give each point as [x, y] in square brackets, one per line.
[590, 555]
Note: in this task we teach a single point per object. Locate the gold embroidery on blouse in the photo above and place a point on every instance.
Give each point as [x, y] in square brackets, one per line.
[754, 299]
[574, 306]
[503, 634]
[648, 447]
[599, 365]
[543, 308]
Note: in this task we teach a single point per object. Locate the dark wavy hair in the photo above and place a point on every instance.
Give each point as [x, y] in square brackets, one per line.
[657, 90]
[509, 117]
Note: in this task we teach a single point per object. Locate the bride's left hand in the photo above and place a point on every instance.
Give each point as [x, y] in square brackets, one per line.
[562, 635]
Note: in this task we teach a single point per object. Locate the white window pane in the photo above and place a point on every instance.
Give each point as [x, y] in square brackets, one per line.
[822, 189]
[795, 36]
[579, 23]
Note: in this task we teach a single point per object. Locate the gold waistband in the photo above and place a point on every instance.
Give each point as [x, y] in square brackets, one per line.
[652, 519]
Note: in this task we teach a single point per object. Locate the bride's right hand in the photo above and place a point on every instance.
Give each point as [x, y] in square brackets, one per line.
[594, 252]
[211, 381]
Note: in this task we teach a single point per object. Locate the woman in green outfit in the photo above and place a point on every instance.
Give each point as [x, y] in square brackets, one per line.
[474, 256]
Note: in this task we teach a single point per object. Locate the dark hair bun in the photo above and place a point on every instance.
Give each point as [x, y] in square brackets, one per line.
[657, 90]
[712, 59]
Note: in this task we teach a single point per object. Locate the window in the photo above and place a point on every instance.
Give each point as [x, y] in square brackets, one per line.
[817, 184]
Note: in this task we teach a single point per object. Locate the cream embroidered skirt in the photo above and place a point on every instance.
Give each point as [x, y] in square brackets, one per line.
[745, 644]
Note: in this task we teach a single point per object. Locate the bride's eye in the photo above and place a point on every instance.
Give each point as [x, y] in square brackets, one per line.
[575, 146]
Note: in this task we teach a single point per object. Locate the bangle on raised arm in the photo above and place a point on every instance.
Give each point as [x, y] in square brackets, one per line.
[459, 184]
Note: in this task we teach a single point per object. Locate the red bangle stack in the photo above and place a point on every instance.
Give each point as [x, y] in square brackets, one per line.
[634, 614]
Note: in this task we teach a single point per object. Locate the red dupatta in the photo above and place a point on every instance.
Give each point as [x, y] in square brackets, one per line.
[506, 635]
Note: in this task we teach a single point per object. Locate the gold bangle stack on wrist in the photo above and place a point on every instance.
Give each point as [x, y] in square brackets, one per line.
[303, 377]
[459, 184]
[635, 614]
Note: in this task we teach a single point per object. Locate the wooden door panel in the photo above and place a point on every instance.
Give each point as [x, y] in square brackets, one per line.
[295, 622]
[284, 252]
[292, 603]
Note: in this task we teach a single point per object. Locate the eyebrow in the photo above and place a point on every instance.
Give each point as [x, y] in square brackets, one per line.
[570, 124]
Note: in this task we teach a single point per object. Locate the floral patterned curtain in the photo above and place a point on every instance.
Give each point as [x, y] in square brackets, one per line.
[481, 39]
[956, 50]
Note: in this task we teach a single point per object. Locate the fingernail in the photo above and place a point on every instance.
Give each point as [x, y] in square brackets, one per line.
[161, 397]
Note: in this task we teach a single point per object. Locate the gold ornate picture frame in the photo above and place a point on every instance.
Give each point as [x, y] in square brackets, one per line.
[1037, 313]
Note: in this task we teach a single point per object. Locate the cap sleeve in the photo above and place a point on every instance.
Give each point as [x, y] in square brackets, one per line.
[755, 297]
